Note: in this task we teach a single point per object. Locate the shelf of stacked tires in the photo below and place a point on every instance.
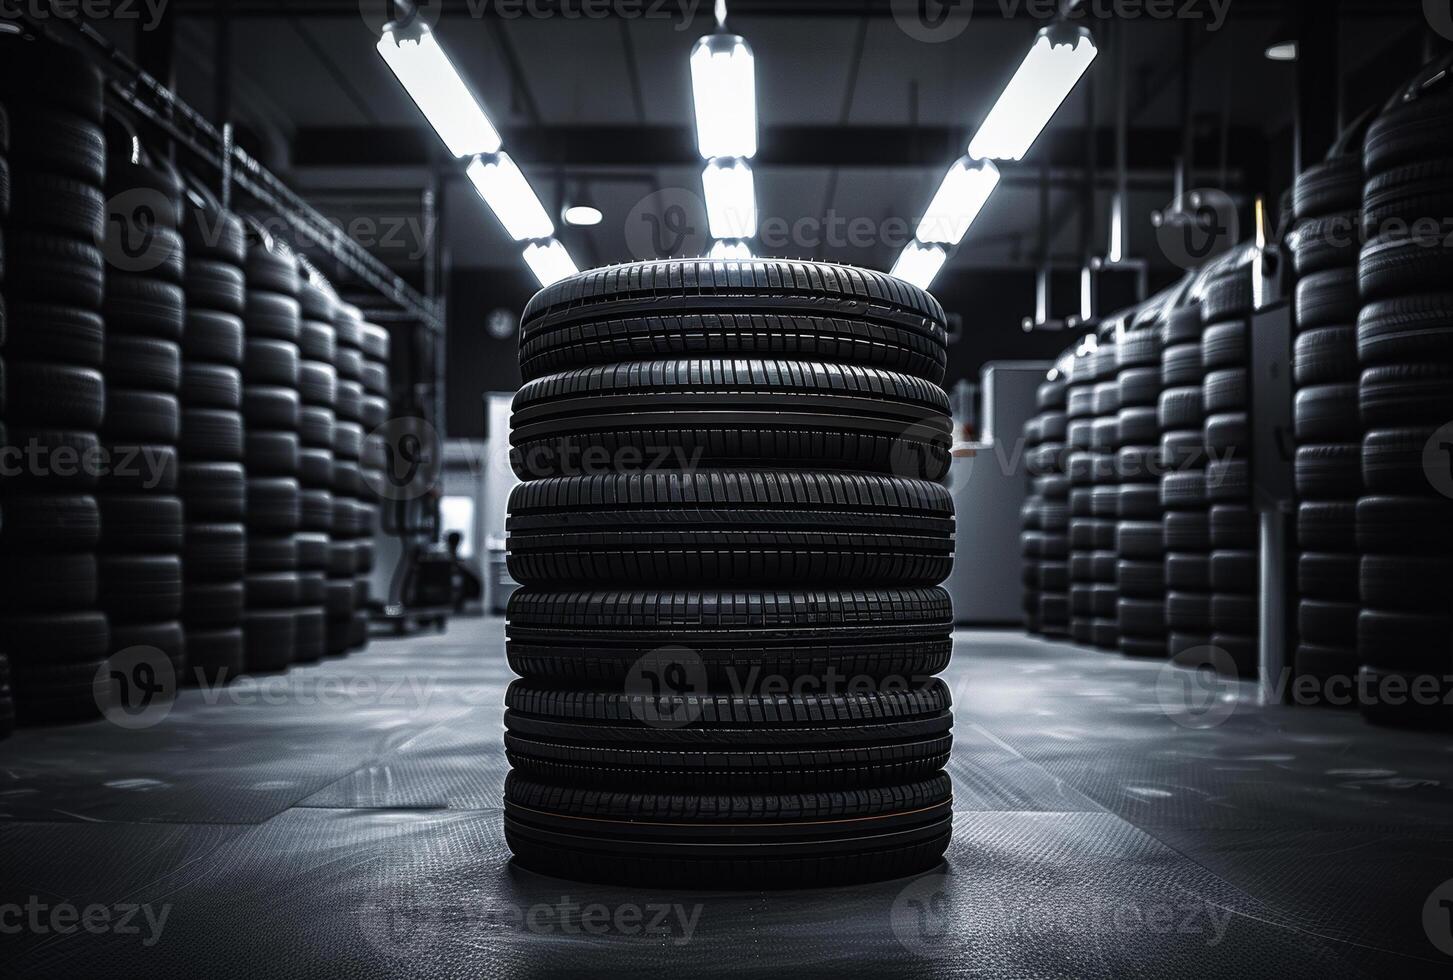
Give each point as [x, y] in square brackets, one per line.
[1051, 485]
[1324, 242]
[1031, 534]
[730, 537]
[317, 433]
[377, 410]
[1405, 347]
[1180, 413]
[272, 413]
[1140, 537]
[352, 512]
[211, 479]
[55, 635]
[1080, 468]
[1234, 569]
[1104, 498]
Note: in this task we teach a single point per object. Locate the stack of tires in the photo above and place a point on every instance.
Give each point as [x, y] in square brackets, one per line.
[351, 512]
[54, 633]
[1139, 540]
[1186, 521]
[1031, 534]
[1225, 397]
[1080, 467]
[1405, 347]
[1051, 486]
[711, 541]
[1327, 203]
[145, 311]
[7, 701]
[211, 480]
[377, 410]
[272, 411]
[318, 392]
[1104, 499]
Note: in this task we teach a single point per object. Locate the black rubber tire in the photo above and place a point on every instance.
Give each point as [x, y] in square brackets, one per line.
[144, 523]
[1326, 575]
[650, 736]
[1188, 612]
[1182, 326]
[1180, 365]
[1406, 395]
[271, 406]
[210, 386]
[49, 332]
[1404, 583]
[140, 588]
[765, 309]
[1233, 572]
[1141, 578]
[1409, 193]
[50, 446]
[1184, 451]
[216, 286]
[1328, 242]
[53, 395]
[1327, 413]
[273, 504]
[215, 552]
[1225, 345]
[58, 522]
[213, 337]
[1392, 266]
[1183, 491]
[1327, 299]
[272, 316]
[1329, 525]
[145, 307]
[1225, 390]
[1233, 614]
[142, 416]
[270, 362]
[730, 413]
[47, 268]
[143, 362]
[1228, 480]
[1328, 187]
[1327, 472]
[1232, 526]
[1180, 408]
[49, 140]
[1325, 355]
[55, 75]
[214, 656]
[270, 639]
[272, 271]
[214, 235]
[213, 491]
[1406, 330]
[1227, 297]
[56, 637]
[1402, 525]
[56, 203]
[1227, 432]
[1393, 460]
[1187, 530]
[756, 841]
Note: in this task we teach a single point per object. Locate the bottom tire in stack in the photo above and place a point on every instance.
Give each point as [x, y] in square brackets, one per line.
[729, 668]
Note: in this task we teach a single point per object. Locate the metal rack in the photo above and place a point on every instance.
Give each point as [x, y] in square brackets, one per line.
[237, 170]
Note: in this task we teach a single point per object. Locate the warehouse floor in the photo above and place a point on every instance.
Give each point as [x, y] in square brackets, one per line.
[345, 822]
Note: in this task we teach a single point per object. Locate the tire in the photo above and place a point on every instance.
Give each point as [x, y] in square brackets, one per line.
[777, 412]
[1139, 619]
[586, 639]
[1225, 390]
[55, 142]
[273, 504]
[765, 309]
[1227, 297]
[214, 235]
[1232, 526]
[1141, 578]
[795, 841]
[1188, 612]
[1227, 432]
[1327, 413]
[1180, 408]
[272, 316]
[145, 307]
[1392, 524]
[210, 386]
[1329, 525]
[215, 286]
[271, 406]
[47, 268]
[270, 362]
[1189, 573]
[139, 588]
[1182, 326]
[1406, 395]
[1325, 243]
[56, 637]
[1184, 451]
[1225, 345]
[1409, 130]
[49, 522]
[1392, 460]
[54, 395]
[213, 491]
[1234, 572]
[1326, 299]
[1187, 530]
[1325, 355]
[692, 742]
[1392, 266]
[272, 271]
[1181, 365]
[270, 639]
[56, 203]
[1406, 330]
[59, 334]
[1328, 187]
[214, 656]
[140, 524]
[63, 74]
[142, 416]
[1228, 480]
[1234, 615]
[215, 552]
[1402, 583]
[1323, 575]
[1327, 472]
[144, 362]
[1409, 193]
[213, 337]
[1183, 491]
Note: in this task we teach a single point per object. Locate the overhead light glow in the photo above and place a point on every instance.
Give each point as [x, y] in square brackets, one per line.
[918, 264]
[730, 250]
[549, 262]
[731, 199]
[509, 195]
[436, 87]
[962, 195]
[1059, 57]
[582, 215]
[1282, 51]
[724, 91]
[1087, 293]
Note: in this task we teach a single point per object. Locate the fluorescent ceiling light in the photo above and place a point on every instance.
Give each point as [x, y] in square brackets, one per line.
[509, 195]
[918, 264]
[583, 215]
[724, 90]
[1282, 51]
[730, 250]
[431, 80]
[1059, 57]
[549, 262]
[731, 199]
[960, 198]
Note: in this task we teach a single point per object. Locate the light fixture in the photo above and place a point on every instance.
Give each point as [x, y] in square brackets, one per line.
[1087, 293]
[1058, 58]
[581, 215]
[962, 195]
[509, 195]
[919, 263]
[1282, 51]
[730, 250]
[724, 92]
[436, 87]
[549, 262]
[731, 199]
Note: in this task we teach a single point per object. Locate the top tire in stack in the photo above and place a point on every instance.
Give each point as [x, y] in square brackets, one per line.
[55, 634]
[732, 505]
[1405, 348]
[1140, 537]
[210, 476]
[1327, 208]
[1225, 396]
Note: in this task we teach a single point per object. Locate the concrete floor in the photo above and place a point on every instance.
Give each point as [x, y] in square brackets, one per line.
[343, 820]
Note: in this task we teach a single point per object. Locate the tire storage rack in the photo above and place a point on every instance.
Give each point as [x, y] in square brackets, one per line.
[1225, 395]
[1080, 467]
[732, 506]
[1327, 208]
[153, 384]
[1186, 519]
[1046, 515]
[1104, 497]
[1405, 348]
[1139, 538]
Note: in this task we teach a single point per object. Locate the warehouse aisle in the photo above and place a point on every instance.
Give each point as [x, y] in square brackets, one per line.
[343, 819]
